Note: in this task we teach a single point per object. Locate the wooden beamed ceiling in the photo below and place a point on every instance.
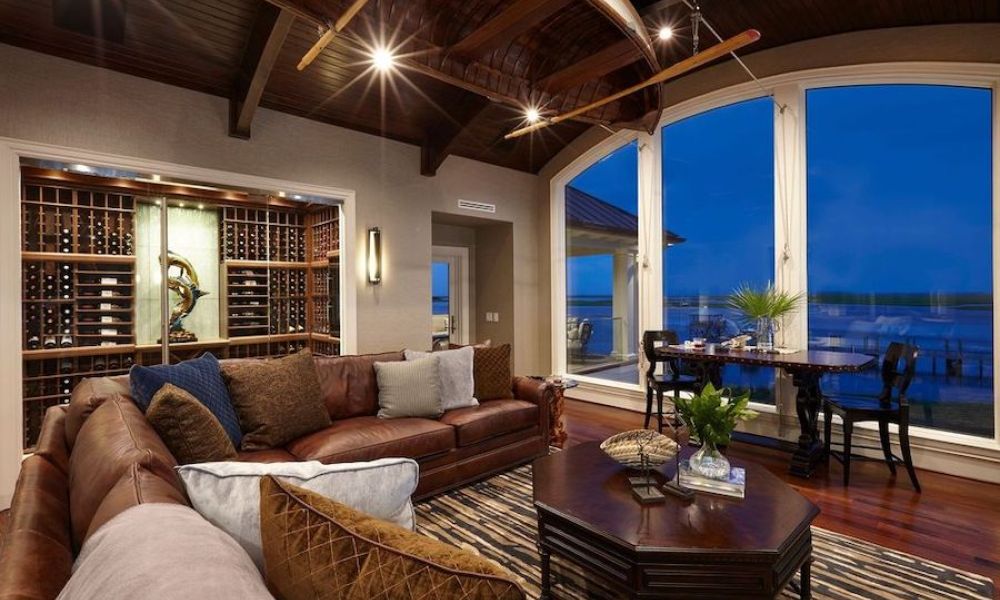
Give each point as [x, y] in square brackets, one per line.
[270, 29]
[467, 69]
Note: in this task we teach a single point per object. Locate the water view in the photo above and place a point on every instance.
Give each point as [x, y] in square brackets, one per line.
[953, 389]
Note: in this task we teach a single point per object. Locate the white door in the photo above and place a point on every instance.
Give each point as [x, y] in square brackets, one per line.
[450, 295]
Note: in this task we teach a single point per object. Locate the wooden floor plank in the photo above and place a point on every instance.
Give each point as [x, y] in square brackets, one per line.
[955, 521]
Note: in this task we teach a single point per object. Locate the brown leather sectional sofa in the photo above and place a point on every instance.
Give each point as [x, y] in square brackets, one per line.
[98, 456]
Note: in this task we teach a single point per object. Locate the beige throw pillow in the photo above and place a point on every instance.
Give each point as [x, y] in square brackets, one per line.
[409, 389]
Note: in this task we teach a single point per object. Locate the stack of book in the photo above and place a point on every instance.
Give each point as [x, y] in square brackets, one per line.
[735, 485]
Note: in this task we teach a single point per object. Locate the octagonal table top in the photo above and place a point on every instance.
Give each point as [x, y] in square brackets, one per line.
[587, 487]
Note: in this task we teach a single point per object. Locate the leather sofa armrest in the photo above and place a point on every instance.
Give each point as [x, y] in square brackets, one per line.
[539, 393]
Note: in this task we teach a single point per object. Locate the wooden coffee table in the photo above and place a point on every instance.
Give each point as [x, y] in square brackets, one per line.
[712, 547]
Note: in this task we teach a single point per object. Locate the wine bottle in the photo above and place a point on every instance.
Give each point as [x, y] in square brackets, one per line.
[65, 242]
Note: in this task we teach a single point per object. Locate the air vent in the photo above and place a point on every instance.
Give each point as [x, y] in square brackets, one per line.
[477, 206]
[102, 19]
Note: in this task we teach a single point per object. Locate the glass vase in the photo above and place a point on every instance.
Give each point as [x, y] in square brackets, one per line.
[765, 334]
[709, 462]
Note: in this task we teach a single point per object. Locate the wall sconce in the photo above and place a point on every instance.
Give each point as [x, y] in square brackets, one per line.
[374, 256]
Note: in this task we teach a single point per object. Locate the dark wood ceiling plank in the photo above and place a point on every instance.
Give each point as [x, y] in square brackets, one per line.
[440, 137]
[593, 67]
[269, 33]
[502, 29]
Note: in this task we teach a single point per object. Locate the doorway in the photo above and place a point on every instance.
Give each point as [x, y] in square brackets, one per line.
[449, 295]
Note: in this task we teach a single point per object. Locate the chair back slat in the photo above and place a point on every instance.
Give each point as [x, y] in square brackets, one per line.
[898, 368]
[649, 341]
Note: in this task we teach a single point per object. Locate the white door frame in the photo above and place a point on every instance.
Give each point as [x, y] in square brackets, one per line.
[11, 152]
[457, 258]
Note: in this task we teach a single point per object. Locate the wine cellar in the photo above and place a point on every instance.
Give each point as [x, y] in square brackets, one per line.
[91, 282]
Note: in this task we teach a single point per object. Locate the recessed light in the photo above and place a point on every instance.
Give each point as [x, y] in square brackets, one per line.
[297, 197]
[81, 168]
[201, 207]
[281, 194]
[532, 115]
[382, 59]
[155, 177]
[665, 33]
[180, 204]
[158, 203]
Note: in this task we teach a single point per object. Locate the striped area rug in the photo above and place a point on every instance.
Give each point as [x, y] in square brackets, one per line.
[496, 517]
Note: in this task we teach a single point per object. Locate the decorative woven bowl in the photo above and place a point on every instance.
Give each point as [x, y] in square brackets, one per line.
[625, 447]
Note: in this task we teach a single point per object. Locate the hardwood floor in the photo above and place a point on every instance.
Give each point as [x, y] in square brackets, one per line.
[955, 521]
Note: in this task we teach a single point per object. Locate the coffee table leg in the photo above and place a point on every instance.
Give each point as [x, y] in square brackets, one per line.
[805, 580]
[546, 584]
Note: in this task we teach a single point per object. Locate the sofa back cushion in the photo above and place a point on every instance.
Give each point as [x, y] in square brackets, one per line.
[113, 439]
[348, 383]
[87, 396]
[52, 438]
[36, 557]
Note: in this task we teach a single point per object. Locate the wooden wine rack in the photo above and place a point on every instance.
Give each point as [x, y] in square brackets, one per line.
[79, 278]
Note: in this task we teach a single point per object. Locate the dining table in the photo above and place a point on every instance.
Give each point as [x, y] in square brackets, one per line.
[805, 367]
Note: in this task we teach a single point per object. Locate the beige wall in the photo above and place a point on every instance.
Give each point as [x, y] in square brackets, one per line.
[973, 43]
[55, 101]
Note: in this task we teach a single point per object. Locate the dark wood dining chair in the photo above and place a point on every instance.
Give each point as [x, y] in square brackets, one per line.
[891, 406]
[672, 380]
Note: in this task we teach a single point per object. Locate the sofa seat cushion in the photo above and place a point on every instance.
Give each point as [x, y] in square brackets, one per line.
[370, 438]
[491, 418]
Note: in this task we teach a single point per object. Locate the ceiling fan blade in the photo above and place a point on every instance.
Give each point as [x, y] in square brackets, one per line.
[331, 33]
[675, 70]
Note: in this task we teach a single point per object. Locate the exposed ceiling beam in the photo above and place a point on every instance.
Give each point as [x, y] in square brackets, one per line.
[502, 29]
[269, 32]
[441, 137]
[593, 67]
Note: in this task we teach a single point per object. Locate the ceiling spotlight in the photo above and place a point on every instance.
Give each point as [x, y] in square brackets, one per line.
[296, 197]
[666, 32]
[532, 115]
[180, 204]
[82, 168]
[156, 177]
[281, 194]
[383, 59]
[201, 207]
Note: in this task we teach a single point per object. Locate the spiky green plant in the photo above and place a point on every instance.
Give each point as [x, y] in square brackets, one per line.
[768, 303]
[713, 414]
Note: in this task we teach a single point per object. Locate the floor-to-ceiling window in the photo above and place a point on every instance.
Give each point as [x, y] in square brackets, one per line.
[900, 240]
[602, 236]
[718, 224]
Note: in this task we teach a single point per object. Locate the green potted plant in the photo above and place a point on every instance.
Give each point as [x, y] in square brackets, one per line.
[763, 309]
[712, 415]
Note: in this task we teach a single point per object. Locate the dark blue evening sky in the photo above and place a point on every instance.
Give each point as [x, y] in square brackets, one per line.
[899, 181]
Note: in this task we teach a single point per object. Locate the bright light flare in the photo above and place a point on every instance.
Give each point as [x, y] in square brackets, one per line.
[383, 59]
[532, 115]
[665, 33]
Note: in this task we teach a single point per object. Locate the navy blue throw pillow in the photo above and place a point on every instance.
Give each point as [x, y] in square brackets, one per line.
[201, 377]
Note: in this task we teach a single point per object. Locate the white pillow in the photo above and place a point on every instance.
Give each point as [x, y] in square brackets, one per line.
[455, 374]
[163, 551]
[228, 493]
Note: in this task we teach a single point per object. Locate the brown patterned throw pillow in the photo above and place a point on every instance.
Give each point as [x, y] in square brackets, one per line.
[316, 548]
[491, 372]
[188, 429]
[276, 400]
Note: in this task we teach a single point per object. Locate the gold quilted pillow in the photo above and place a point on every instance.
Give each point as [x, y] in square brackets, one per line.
[316, 548]
[491, 372]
